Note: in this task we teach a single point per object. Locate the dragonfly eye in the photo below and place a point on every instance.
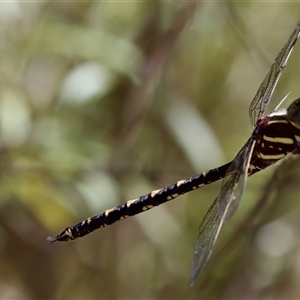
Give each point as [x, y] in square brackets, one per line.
[293, 113]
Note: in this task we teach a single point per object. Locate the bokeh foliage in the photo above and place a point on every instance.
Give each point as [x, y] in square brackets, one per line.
[101, 102]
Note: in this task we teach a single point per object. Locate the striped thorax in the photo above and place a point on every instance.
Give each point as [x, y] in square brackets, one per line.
[277, 135]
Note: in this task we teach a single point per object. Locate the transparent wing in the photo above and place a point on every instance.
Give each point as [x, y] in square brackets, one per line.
[222, 209]
[263, 96]
[233, 185]
[209, 231]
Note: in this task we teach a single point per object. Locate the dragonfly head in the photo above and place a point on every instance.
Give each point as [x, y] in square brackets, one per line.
[293, 113]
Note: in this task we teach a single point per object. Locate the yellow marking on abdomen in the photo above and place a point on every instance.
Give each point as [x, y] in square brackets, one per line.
[282, 140]
[278, 121]
[108, 211]
[275, 157]
[154, 193]
[146, 207]
[180, 182]
[69, 233]
[130, 202]
[297, 137]
[173, 196]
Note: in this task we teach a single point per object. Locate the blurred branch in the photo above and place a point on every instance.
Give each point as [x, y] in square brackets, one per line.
[156, 46]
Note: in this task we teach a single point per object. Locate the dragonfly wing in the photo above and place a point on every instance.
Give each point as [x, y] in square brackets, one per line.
[209, 231]
[234, 184]
[222, 209]
[263, 96]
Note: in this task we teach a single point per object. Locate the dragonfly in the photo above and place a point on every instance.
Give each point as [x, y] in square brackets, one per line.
[274, 137]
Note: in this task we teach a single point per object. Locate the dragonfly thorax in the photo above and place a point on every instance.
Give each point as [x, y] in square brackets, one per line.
[276, 136]
[293, 113]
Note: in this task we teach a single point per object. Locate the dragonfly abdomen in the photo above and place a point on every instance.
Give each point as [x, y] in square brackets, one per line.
[141, 204]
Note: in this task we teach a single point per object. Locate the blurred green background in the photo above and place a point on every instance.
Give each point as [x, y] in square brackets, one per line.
[101, 102]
